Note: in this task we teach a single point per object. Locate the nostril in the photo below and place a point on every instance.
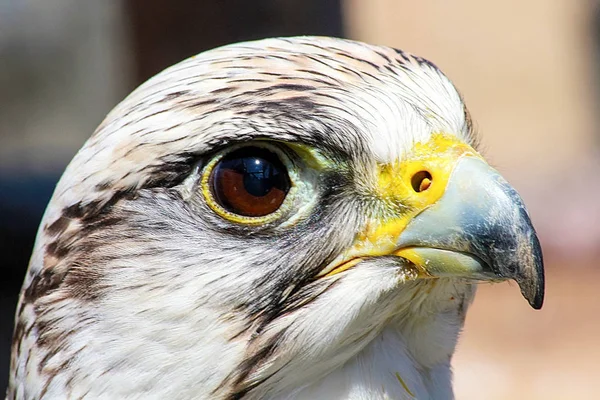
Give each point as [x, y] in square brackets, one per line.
[421, 181]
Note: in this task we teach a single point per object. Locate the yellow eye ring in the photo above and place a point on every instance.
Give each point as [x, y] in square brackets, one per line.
[249, 184]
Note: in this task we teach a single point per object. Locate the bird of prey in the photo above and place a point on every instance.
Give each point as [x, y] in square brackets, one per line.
[291, 218]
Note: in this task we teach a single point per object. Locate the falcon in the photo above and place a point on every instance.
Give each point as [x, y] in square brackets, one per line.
[291, 218]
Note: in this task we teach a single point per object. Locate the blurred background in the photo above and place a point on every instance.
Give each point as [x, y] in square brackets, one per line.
[529, 72]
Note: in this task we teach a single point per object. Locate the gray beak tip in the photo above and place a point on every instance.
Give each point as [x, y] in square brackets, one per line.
[532, 282]
[533, 293]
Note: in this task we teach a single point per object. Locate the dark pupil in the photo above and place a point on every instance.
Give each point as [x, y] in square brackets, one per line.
[261, 170]
[260, 176]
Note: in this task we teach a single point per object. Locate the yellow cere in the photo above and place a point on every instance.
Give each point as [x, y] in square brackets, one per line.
[438, 157]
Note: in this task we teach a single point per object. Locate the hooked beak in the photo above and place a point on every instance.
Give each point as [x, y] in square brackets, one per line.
[479, 228]
[464, 220]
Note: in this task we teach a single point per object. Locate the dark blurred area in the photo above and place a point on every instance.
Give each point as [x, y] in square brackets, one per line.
[87, 57]
[529, 75]
[162, 35]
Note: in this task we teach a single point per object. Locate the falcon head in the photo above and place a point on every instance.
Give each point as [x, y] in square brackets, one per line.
[288, 218]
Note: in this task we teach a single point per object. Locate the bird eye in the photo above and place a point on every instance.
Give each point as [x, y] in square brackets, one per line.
[250, 181]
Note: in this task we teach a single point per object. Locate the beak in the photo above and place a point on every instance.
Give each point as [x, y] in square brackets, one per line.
[452, 215]
[480, 229]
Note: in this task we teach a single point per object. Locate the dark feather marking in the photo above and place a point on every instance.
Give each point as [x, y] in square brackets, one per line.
[315, 59]
[277, 74]
[285, 58]
[315, 80]
[74, 211]
[353, 58]
[292, 87]
[102, 186]
[305, 296]
[402, 54]
[236, 66]
[299, 105]
[314, 72]
[179, 139]
[223, 90]
[203, 103]
[107, 123]
[327, 48]
[245, 80]
[334, 60]
[175, 95]
[383, 55]
[143, 133]
[58, 226]
[369, 75]
[173, 126]
[170, 173]
[57, 249]
[19, 333]
[135, 121]
[422, 61]
[390, 69]
[41, 285]
[246, 367]
[469, 124]
[344, 69]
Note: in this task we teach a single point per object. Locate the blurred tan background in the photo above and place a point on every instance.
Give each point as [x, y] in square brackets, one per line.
[529, 72]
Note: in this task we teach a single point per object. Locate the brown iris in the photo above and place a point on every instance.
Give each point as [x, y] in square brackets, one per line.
[251, 181]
